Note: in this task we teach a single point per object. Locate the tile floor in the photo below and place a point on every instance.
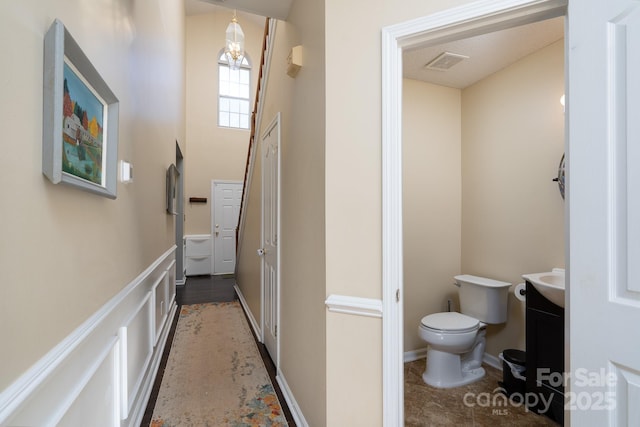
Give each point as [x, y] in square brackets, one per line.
[429, 406]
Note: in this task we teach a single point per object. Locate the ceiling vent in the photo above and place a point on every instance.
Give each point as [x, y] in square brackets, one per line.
[444, 61]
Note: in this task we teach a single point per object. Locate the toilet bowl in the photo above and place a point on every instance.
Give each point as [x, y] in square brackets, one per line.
[456, 345]
[456, 341]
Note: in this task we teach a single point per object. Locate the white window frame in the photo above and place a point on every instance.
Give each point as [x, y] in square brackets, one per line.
[227, 99]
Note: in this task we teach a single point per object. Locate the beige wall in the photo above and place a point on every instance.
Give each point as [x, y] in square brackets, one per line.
[302, 276]
[214, 152]
[352, 205]
[432, 185]
[248, 270]
[349, 364]
[64, 252]
[302, 325]
[353, 195]
[512, 213]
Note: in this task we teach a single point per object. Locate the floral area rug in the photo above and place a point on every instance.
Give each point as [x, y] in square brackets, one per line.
[215, 375]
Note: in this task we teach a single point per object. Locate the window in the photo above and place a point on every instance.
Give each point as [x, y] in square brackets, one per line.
[233, 100]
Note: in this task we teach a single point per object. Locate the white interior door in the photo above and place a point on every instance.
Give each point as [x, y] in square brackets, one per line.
[604, 212]
[227, 196]
[270, 233]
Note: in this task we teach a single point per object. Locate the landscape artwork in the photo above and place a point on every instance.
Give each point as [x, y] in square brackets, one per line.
[82, 129]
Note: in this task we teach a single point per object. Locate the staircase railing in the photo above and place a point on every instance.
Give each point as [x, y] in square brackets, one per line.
[256, 119]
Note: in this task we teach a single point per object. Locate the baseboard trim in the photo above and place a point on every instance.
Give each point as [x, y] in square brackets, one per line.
[296, 412]
[421, 353]
[254, 324]
[493, 361]
[413, 355]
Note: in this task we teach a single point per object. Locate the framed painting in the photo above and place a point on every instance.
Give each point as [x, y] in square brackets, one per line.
[172, 191]
[80, 118]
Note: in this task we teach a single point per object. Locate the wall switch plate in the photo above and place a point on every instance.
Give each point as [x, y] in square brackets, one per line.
[126, 172]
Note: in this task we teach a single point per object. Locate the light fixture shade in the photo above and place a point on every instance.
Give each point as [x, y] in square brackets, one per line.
[234, 46]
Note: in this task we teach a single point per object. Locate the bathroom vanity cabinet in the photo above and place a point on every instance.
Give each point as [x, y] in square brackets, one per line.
[545, 355]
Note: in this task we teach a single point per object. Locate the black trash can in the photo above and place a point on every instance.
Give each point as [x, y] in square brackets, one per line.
[513, 373]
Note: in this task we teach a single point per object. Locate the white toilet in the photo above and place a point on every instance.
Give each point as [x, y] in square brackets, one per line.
[457, 340]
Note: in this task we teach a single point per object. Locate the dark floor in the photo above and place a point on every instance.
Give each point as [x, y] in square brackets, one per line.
[203, 289]
[199, 290]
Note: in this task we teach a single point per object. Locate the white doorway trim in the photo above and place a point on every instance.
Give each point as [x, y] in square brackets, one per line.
[452, 24]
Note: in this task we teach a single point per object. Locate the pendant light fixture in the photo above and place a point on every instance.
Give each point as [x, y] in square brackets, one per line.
[234, 46]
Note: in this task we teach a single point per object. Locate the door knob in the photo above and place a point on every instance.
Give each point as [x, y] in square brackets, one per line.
[262, 251]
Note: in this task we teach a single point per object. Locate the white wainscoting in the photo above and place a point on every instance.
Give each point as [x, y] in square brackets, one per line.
[103, 372]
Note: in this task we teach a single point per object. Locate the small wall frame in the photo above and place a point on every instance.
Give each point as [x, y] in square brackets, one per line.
[80, 118]
[172, 192]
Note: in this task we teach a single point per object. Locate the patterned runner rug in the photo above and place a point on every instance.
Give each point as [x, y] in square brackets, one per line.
[215, 375]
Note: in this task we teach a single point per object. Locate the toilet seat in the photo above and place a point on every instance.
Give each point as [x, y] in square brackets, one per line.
[450, 322]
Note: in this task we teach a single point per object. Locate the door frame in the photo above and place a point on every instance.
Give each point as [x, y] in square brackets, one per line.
[451, 24]
[275, 124]
[214, 182]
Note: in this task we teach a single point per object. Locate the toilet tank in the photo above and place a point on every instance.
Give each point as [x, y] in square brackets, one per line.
[482, 298]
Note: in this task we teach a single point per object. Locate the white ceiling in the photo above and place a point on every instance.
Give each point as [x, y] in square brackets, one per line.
[197, 7]
[272, 8]
[488, 53]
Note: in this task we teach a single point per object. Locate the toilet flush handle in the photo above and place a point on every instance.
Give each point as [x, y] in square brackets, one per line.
[456, 284]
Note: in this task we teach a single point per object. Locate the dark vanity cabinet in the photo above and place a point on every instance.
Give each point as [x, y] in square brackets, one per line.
[545, 355]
